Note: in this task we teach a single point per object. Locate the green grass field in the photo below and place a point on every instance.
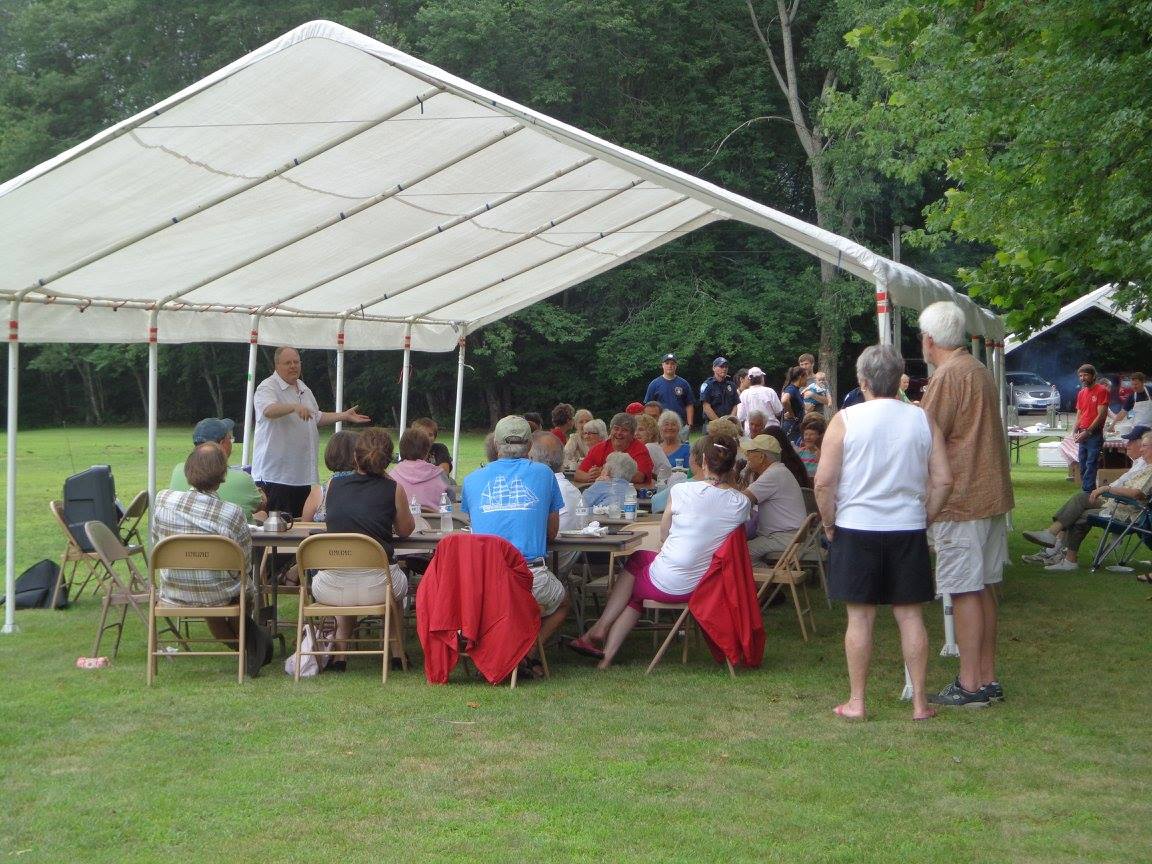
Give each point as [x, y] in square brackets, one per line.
[685, 765]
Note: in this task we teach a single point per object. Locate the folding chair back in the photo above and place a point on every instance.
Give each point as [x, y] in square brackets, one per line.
[788, 571]
[197, 552]
[73, 560]
[348, 552]
[132, 519]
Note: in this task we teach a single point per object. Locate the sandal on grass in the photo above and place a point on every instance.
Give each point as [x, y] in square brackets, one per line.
[1146, 578]
[531, 669]
[583, 647]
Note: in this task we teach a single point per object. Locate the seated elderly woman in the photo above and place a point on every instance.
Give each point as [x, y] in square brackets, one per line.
[622, 439]
[369, 502]
[699, 518]
[648, 433]
[614, 481]
[420, 479]
[338, 458]
[757, 423]
[589, 432]
[811, 435]
[670, 444]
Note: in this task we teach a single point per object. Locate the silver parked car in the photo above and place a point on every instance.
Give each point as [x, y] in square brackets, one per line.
[1029, 392]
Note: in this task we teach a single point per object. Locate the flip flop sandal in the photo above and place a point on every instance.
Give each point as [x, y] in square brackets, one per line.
[1146, 578]
[585, 648]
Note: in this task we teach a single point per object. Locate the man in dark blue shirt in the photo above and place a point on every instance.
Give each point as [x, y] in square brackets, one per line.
[672, 391]
[718, 395]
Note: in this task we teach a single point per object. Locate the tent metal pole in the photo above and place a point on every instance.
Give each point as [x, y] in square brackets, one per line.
[340, 372]
[250, 392]
[975, 340]
[10, 625]
[897, 336]
[153, 403]
[883, 313]
[405, 373]
[459, 403]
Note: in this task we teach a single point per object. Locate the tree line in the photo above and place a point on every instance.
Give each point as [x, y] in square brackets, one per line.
[801, 105]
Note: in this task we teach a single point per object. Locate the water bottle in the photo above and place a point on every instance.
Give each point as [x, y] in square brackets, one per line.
[581, 513]
[414, 508]
[628, 511]
[445, 514]
[662, 475]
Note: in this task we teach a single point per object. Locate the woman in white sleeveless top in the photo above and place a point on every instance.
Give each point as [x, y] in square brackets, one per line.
[883, 477]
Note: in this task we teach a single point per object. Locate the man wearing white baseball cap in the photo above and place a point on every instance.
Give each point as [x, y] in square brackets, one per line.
[758, 397]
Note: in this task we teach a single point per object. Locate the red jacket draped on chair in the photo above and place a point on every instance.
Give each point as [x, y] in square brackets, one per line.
[479, 586]
[724, 604]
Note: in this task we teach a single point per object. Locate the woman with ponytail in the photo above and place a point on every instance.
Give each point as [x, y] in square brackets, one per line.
[698, 519]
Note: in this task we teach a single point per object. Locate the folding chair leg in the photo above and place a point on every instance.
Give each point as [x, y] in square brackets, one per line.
[119, 632]
[100, 627]
[799, 612]
[543, 656]
[150, 673]
[667, 641]
[60, 579]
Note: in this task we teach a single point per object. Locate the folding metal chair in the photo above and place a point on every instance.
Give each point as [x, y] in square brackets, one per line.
[197, 552]
[1122, 536]
[788, 572]
[132, 520]
[344, 552]
[127, 590]
[814, 551]
[684, 622]
[87, 562]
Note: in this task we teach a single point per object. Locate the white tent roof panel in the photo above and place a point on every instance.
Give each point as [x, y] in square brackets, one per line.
[328, 175]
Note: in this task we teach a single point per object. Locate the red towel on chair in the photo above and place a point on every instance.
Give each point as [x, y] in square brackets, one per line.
[478, 586]
[724, 605]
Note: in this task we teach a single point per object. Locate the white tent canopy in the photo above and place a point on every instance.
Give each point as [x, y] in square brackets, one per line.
[328, 182]
[328, 191]
[1100, 299]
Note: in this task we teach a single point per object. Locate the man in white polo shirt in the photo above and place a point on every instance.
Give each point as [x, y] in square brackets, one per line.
[287, 437]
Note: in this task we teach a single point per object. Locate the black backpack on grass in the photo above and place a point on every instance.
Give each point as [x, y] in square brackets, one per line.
[34, 587]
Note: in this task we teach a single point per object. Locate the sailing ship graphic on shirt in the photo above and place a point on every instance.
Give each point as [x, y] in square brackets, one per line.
[501, 494]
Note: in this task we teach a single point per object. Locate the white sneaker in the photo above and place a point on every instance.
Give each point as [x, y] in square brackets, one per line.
[1063, 565]
[1041, 538]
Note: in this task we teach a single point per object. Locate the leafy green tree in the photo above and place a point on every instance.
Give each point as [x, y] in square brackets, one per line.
[1040, 116]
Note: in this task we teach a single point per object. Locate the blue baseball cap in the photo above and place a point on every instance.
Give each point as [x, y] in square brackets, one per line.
[212, 429]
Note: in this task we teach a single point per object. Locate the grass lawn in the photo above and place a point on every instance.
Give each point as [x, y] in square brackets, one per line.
[685, 765]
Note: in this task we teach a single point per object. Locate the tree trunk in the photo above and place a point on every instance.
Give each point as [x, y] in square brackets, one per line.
[493, 402]
[95, 416]
[212, 379]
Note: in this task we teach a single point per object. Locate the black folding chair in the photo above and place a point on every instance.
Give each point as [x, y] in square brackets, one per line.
[1122, 537]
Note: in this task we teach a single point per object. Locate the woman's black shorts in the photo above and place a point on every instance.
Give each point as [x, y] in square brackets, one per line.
[880, 567]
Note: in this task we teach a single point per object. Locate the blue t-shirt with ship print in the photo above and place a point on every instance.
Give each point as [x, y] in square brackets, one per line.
[512, 498]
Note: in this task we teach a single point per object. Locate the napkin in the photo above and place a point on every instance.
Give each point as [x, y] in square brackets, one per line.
[594, 529]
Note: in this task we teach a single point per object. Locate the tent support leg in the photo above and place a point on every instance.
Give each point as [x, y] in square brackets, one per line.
[153, 402]
[250, 393]
[340, 375]
[459, 406]
[405, 374]
[10, 626]
[883, 314]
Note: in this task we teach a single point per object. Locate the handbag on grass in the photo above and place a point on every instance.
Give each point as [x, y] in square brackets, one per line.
[310, 665]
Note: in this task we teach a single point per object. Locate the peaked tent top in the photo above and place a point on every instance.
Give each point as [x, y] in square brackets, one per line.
[343, 189]
[1101, 299]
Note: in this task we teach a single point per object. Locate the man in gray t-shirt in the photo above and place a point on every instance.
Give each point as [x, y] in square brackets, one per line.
[777, 495]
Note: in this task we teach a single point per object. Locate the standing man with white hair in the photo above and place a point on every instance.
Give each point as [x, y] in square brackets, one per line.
[971, 531]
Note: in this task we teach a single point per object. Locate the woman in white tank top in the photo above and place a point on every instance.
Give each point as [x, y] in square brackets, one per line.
[883, 477]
